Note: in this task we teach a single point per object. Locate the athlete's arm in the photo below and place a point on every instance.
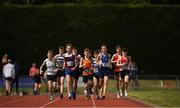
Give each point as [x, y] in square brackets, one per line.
[112, 59]
[30, 72]
[81, 63]
[98, 60]
[76, 63]
[92, 67]
[109, 61]
[77, 59]
[55, 57]
[55, 60]
[129, 66]
[56, 68]
[127, 60]
[13, 73]
[41, 67]
[64, 64]
[4, 72]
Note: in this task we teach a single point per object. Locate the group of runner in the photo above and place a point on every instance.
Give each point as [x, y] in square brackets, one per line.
[93, 67]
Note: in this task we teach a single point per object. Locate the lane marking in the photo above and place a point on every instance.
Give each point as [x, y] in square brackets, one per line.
[49, 103]
[94, 104]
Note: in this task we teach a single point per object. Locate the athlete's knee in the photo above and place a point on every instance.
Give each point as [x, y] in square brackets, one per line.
[54, 84]
[126, 80]
[75, 82]
[39, 85]
[95, 84]
[101, 84]
[68, 79]
[62, 83]
[50, 85]
[90, 83]
[105, 82]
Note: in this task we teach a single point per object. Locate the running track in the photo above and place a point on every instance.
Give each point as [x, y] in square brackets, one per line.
[43, 101]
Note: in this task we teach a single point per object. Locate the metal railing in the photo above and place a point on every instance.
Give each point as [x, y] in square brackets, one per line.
[159, 81]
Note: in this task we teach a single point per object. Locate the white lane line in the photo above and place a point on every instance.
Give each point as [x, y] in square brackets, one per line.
[16, 101]
[49, 103]
[94, 104]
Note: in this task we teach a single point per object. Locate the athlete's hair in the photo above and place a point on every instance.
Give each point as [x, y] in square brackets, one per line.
[33, 64]
[130, 59]
[50, 51]
[103, 45]
[118, 46]
[96, 52]
[9, 60]
[99, 50]
[124, 50]
[61, 47]
[68, 45]
[5, 55]
[86, 50]
[74, 48]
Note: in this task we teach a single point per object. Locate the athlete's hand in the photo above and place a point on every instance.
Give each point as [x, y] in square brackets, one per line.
[55, 70]
[110, 66]
[116, 64]
[74, 68]
[83, 65]
[41, 72]
[61, 69]
[123, 64]
[32, 75]
[45, 75]
[92, 69]
[100, 65]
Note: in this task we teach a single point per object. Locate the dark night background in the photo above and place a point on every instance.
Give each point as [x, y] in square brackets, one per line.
[150, 32]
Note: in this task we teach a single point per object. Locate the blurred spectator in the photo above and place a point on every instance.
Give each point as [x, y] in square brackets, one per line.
[33, 70]
[16, 80]
[9, 75]
[133, 74]
[34, 73]
[3, 62]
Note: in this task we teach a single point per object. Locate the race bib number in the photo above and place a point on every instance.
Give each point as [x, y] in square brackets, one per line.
[59, 65]
[125, 67]
[50, 69]
[87, 70]
[70, 63]
[95, 70]
[105, 64]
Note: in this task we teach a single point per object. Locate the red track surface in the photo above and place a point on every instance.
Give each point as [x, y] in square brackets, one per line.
[43, 101]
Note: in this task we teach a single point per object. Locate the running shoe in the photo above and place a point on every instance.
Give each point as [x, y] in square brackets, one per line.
[125, 93]
[73, 95]
[51, 98]
[61, 96]
[69, 95]
[118, 94]
[88, 97]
